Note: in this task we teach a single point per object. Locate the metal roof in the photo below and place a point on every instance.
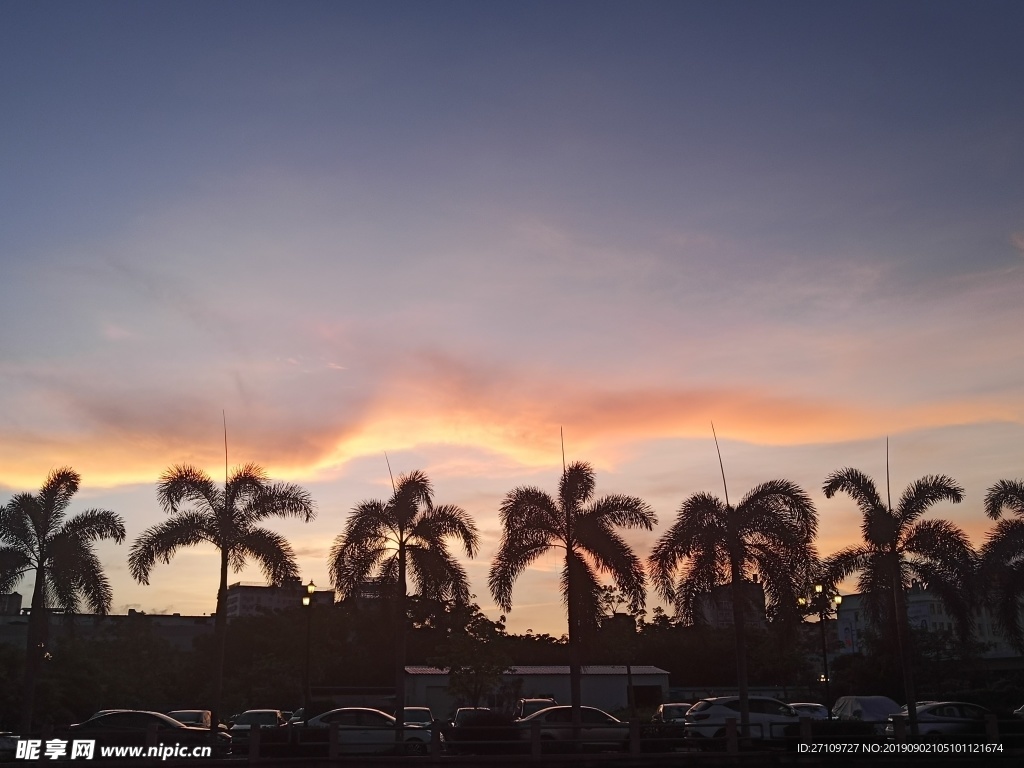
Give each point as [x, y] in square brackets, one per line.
[557, 669]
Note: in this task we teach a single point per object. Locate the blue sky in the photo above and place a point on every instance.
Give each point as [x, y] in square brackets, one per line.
[447, 229]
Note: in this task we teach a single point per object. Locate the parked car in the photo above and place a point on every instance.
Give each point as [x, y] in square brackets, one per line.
[362, 730]
[8, 746]
[811, 710]
[197, 717]
[418, 716]
[668, 727]
[599, 730]
[482, 731]
[768, 717]
[128, 727]
[943, 717]
[671, 713]
[526, 707]
[868, 709]
[263, 719]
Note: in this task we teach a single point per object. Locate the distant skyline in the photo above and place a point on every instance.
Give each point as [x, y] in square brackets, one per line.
[446, 230]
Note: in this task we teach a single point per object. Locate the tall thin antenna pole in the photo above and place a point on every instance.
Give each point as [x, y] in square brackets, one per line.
[224, 416]
[888, 493]
[720, 465]
[389, 473]
[561, 436]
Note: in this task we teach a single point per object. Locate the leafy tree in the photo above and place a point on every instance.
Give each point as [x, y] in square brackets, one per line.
[1002, 558]
[534, 523]
[769, 533]
[227, 518]
[474, 657]
[404, 537]
[37, 536]
[898, 547]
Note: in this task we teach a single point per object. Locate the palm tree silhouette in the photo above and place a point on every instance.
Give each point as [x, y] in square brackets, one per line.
[37, 535]
[401, 538]
[227, 518]
[1002, 558]
[770, 533]
[898, 547]
[534, 523]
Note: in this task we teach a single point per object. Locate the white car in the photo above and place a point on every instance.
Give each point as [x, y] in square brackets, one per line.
[811, 710]
[362, 730]
[598, 730]
[768, 717]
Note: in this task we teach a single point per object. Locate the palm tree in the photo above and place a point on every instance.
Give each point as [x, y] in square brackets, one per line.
[37, 535]
[769, 534]
[1002, 558]
[534, 523]
[228, 519]
[401, 538]
[899, 547]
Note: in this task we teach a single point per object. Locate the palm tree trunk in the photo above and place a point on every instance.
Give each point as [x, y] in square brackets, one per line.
[740, 628]
[220, 632]
[903, 640]
[400, 646]
[35, 648]
[575, 663]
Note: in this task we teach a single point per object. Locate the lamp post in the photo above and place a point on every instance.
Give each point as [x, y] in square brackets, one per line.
[307, 602]
[824, 608]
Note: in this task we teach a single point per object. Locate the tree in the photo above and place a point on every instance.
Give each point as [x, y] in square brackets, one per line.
[227, 518]
[769, 533]
[534, 523]
[37, 536]
[402, 537]
[473, 656]
[899, 547]
[1002, 558]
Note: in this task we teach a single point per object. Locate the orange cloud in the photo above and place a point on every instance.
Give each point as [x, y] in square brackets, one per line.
[431, 399]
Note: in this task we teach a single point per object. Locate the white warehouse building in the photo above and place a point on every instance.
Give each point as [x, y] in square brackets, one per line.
[602, 686]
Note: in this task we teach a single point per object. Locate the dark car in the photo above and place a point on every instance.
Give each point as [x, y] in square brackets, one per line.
[132, 727]
[482, 732]
[667, 729]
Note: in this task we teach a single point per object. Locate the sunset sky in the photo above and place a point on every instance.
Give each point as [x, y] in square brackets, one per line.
[446, 229]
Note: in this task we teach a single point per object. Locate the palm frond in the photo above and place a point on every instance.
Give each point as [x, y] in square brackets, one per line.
[185, 483]
[13, 566]
[448, 520]
[857, 485]
[16, 528]
[924, 493]
[279, 500]
[1005, 494]
[612, 556]
[272, 553]
[510, 561]
[93, 525]
[161, 541]
[576, 486]
[624, 511]
[55, 495]
[528, 507]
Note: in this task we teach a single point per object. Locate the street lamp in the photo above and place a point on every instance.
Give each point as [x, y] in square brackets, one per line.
[824, 607]
[307, 602]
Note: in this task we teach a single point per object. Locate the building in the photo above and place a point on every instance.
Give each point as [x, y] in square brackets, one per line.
[259, 599]
[180, 631]
[10, 605]
[602, 686]
[925, 611]
[716, 606]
